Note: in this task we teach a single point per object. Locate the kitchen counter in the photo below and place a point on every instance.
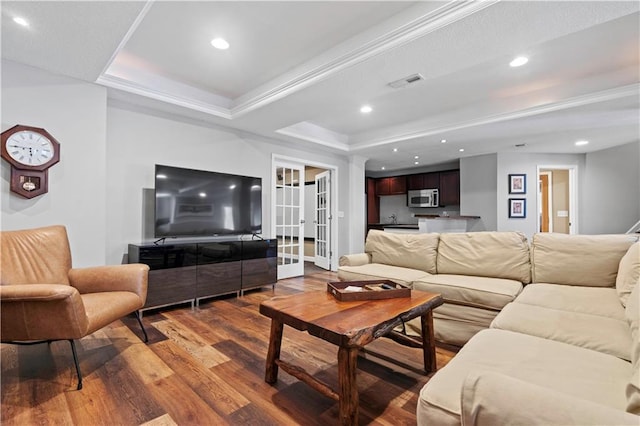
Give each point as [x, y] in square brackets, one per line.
[435, 216]
[435, 223]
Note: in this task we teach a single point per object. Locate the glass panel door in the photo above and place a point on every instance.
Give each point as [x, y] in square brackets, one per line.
[289, 214]
[323, 221]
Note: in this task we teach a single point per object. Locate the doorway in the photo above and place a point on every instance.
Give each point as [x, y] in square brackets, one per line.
[304, 207]
[557, 204]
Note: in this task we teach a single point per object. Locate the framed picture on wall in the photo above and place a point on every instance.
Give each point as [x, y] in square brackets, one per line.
[517, 184]
[517, 208]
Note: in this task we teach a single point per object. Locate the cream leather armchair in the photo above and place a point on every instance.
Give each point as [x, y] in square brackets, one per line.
[44, 299]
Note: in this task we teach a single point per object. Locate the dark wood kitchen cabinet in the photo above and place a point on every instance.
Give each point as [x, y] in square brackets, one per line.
[424, 181]
[395, 185]
[373, 202]
[450, 188]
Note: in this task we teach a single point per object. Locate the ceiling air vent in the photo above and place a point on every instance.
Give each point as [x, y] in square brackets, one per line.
[413, 78]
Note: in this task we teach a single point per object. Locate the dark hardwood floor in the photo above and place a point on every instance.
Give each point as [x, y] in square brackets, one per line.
[202, 367]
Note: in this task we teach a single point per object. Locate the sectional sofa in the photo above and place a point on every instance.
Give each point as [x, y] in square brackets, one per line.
[477, 273]
[562, 344]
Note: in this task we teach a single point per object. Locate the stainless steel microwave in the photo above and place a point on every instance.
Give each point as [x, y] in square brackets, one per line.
[423, 198]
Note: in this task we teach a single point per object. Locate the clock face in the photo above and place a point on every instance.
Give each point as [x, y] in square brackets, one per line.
[30, 148]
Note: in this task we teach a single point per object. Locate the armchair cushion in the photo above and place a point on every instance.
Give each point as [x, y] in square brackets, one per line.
[35, 256]
[41, 312]
[131, 277]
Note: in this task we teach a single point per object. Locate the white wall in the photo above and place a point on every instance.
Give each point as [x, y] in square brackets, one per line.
[613, 190]
[108, 153]
[137, 140]
[74, 113]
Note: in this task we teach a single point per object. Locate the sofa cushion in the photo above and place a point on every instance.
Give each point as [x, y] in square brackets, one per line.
[415, 251]
[377, 271]
[569, 369]
[582, 260]
[481, 292]
[455, 324]
[588, 300]
[489, 399]
[485, 254]
[594, 332]
[628, 273]
[632, 313]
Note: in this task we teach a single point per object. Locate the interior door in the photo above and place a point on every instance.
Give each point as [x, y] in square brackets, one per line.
[545, 204]
[289, 214]
[322, 223]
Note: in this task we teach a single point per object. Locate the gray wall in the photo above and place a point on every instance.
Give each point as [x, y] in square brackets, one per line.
[478, 191]
[517, 163]
[612, 196]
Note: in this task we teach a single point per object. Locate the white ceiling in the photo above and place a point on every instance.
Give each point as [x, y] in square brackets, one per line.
[299, 72]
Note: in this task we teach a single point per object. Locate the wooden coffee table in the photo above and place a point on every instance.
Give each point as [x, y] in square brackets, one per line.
[350, 326]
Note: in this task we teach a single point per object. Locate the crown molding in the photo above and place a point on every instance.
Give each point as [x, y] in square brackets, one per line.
[132, 29]
[441, 17]
[128, 86]
[592, 98]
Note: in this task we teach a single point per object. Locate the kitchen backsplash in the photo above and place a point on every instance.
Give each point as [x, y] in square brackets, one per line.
[397, 204]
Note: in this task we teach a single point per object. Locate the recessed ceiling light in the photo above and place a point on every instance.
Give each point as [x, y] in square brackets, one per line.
[416, 157]
[21, 21]
[461, 150]
[382, 167]
[203, 195]
[366, 109]
[519, 61]
[582, 143]
[416, 162]
[395, 149]
[443, 141]
[220, 43]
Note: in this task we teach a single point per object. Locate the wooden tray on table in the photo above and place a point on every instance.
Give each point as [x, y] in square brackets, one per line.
[371, 290]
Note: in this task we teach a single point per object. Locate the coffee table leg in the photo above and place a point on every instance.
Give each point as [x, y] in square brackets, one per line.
[347, 363]
[428, 342]
[275, 341]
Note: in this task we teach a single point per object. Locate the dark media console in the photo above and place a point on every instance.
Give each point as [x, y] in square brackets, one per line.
[190, 272]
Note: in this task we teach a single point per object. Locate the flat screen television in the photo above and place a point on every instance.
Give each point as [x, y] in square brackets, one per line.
[198, 203]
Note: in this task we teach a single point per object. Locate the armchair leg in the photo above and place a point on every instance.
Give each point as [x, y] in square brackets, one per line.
[75, 360]
[146, 338]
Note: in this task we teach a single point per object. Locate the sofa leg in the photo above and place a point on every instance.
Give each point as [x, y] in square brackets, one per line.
[146, 338]
[75, 360]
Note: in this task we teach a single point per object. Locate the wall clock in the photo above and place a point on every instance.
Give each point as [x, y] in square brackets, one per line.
[30, 151]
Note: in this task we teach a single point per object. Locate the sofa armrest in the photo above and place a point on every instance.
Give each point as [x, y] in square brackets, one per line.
[355, 259]
[491, 398]
[131, 277]
[41, 312]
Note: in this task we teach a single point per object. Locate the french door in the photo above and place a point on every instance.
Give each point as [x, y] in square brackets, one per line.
[289, 218]
[322, 222]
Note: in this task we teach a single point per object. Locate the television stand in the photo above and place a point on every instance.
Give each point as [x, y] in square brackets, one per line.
[188, 272]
